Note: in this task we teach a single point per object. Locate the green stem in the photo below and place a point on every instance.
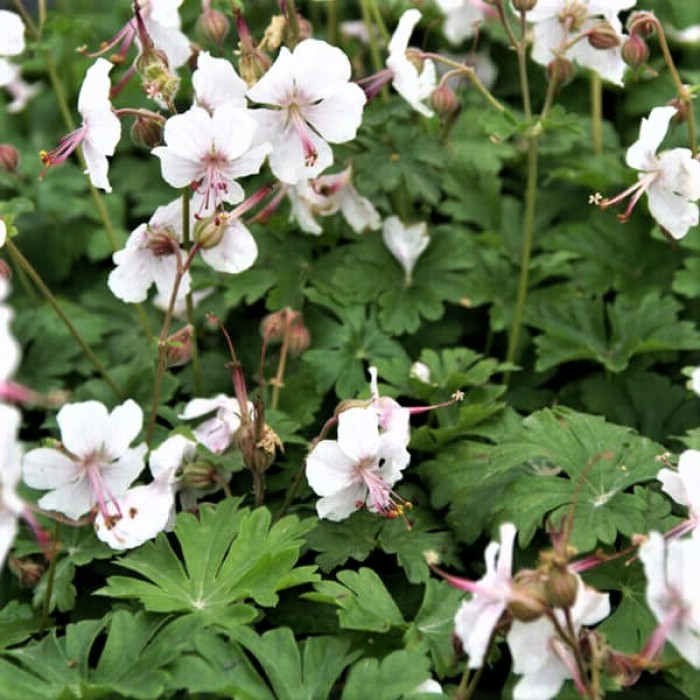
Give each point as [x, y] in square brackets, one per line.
[374, 51]
[597, 113]
[281, 367]
[187, 244]
[528, 239]
[51, 577]
[374, 8]
[48, 295]
[291, 491]
[461, 692]
[332, 21]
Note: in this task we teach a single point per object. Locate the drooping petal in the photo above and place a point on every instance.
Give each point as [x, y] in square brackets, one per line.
[196, 408]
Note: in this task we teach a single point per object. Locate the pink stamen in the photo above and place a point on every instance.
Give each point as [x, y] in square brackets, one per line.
[65, 147]
[658, 638]
[562, 653]
[100, 489]
[304, 133]
[381, 498]
[635, 191]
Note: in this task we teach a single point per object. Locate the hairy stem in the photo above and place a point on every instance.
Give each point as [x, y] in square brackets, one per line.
[596, 113]
[187, 244]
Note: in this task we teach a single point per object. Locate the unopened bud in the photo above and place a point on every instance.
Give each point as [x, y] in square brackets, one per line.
[178, 347]
[147, 132]
[561, 587]
[5, 270]
[524, 5]
[9, 157]
[213, 26]
[530, 600]
[444, 100]
[642, 24]
[560, 71]
[198, 475]
[635, 52]
[272, 327]
[306, 30]
[681, 108]
[299, 338]
[258, 454]
[603, 36]
[27, 571]
[209, 232]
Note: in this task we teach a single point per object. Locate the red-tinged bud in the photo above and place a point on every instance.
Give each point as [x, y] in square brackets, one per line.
[560, 71]
[162, 242]
[306, 30]
[529, 601]
[524, 5]
[213, 26]
[272, 327]
[147, 132]
[178, 347]
[603, 36]
[681, 108]
[299, 339]
[209, 232]
[642, 24]
[27, 571]
[9, 157]
[258, 453]
[198, 475]
[635, 52]
[561, 587]
[444, 100]
[5, 270]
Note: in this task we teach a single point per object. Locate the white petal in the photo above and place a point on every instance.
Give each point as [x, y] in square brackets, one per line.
[651, 133]
[236, 252]
[11, 34]
[119, 475]
[169, 457]
[74, 499]
[84, 427]
[8, 527]
[200, 407]
[341, 504]
[276, 85]
[216, 82]
[338, 117]
[474, 624]
[124, 424]
[328, 469]
[319, 69]
[358, 433]
[406, 243]
[132, 277]
[672, 211]
[46, 468]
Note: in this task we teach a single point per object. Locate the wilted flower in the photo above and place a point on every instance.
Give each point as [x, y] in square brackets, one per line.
[414, 86]
[309, 102]
[671, 179]
[358, 469]
[94, 464]
[406, 243]
[99, 132]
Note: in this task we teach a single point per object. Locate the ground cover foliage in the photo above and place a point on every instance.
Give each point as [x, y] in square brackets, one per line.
[219, 495]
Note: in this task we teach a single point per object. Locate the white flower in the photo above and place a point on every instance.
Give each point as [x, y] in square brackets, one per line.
[394, 419]
[216, 82]
[150, 256]
[327, 194]
[406, 243]
[311, 102]
[413, 86]
[95, 464]
[100, 130]
[558, 23]
[462, 17]
[477, 618]
[538, 652]
[672, 568]
[683, 484]
[144, 511]
[216, 433]
[11, 505]
[211, 151]
[235, 251]
[11, 33]
[162, 21]
[359, 468]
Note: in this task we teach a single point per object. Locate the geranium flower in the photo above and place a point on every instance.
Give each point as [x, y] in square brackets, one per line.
[328, 194]
[358, 469]
[151, 256]
[406, 243]
[94, 463]
[216, 433]
[309, 103]
[11, 44]
[394, 419]
[144, 511]
[99, 132]
[209, 151]
[216, 83]
[540, 657]
[162, 21]
[413, 86]
[558, 24]
[671, 179]
[232, 248]
[672, 568]
[462, 17]
[477, 618]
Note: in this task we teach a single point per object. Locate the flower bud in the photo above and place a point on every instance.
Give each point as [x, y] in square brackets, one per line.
[272, 327]
[560, 71]
[530, 601]
[27, 571]
[209, 232]
[641, 24]
[681, 108]
[561, 587]
[635, 52]
[9, 157]
[213, 26]
[5, 270]
[258, 454]
[524, 5]
[147, 132]
[603, 36]
[178, 347]
[444, 100]
[198, 475]
[299, 338]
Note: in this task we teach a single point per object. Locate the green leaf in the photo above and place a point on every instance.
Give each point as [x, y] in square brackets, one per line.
[294, 675]
[122, 655]
[392, 678]
[229, 555]
[364, 602]
[18, 621]
[564, 459]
